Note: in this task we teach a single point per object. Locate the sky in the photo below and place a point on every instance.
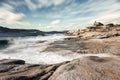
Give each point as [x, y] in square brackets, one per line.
[57, 15]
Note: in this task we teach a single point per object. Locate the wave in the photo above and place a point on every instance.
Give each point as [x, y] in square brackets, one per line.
[31, 49]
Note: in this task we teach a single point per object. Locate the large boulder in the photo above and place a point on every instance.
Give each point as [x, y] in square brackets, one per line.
[89, 68]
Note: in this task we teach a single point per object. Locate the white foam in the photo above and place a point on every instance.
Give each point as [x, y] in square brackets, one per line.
[29, 50]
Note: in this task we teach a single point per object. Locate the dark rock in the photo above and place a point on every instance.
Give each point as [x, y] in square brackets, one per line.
[12, 61]
[4, 44]
[97, 24]
[18, 78]
[110, 25]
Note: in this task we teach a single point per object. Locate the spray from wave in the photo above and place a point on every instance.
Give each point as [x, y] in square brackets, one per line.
[30, 49]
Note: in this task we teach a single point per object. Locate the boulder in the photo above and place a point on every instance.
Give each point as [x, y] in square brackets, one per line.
[89, 68]
[110, 25]
[97, 23]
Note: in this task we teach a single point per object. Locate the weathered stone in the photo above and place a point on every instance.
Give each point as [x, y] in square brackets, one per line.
[96, 27]
[89, 68]
[86, 68]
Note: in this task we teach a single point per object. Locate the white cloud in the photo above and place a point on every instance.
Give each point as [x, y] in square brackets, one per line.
[7, 16]
[57, 2]
[108, 18]
[105, 11]
[55, 22]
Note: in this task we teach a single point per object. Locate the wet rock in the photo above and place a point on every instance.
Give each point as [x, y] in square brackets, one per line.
[4, 44]
[40, 42]
[12, 61]
[63, 45]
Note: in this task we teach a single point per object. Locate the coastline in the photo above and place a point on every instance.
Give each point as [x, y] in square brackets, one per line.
[98, 46]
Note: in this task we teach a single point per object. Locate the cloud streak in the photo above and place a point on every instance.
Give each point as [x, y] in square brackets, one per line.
[55, 22]
[33, 5]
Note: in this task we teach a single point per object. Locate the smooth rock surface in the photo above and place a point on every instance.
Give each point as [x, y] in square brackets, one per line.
[89, 68]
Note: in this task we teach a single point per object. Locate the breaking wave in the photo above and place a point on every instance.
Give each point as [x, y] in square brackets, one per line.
[30, 49]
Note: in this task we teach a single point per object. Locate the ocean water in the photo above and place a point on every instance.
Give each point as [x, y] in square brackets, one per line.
[31, 49]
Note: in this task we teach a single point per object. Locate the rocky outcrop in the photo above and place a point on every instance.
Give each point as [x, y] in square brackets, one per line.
[98, 28]
[86, 68]
[98, 38]
[99, 35]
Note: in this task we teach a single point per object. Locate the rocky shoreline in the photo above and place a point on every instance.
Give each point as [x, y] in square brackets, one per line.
[95, 39]
[87, 68]
[12, 69]
[98, 38]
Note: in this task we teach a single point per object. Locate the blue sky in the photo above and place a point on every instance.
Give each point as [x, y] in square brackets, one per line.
[58, 15]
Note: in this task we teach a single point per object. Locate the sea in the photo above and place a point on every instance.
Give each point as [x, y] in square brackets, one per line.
[32, 49]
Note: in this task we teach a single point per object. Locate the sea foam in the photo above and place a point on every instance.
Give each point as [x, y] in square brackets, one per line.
[31, 49]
